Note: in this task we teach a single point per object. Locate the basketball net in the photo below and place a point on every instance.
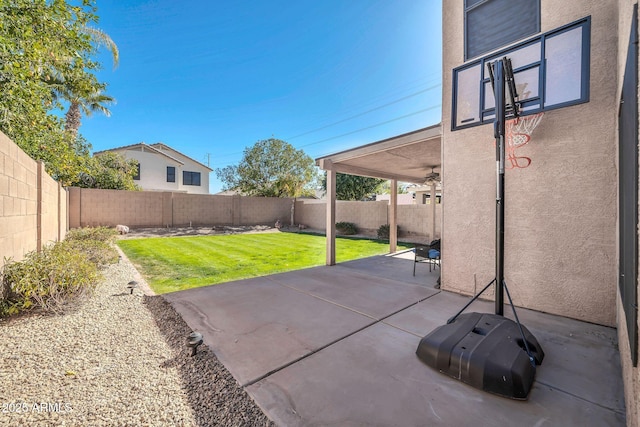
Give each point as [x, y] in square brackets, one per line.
[518, 133]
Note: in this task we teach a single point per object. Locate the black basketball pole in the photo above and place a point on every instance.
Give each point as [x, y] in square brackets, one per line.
[499, 131]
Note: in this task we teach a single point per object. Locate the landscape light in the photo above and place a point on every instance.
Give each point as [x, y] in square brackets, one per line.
[131, 286]
[193, 341]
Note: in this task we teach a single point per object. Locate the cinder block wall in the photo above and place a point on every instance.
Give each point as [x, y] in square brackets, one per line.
[93, 207]
[90, 207]
[417, 220]
[413, 220]
[33, 206]
[198, 210]
[264, 210]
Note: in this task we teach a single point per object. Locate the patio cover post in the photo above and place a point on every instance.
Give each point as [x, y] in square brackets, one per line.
[331, 213]
[393, 217]
[432, 201]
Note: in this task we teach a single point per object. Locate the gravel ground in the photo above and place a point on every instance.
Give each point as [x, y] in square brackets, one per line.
[116, 360]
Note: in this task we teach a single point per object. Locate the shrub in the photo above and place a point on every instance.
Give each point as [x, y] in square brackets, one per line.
[346, 228]
[59, 274]
[48, 279]
[383, 231]
[100, 234]
[98, 252]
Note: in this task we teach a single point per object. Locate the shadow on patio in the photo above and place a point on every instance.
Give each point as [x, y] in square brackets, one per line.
[336, 345]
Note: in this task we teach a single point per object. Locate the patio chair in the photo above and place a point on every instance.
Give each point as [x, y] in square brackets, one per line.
[429, 253]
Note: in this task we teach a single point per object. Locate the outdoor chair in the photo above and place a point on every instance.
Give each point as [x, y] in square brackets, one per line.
[428, 253]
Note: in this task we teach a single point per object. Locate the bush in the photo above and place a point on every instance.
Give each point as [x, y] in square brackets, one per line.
[59, 274]
[100, 234]
[98, 252]
[346, 228]
[48, 279]
[383, 231]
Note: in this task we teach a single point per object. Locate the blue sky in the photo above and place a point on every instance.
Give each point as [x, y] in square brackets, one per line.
[210, 78]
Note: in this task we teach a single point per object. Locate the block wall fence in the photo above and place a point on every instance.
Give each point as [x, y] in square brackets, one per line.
[33, 210]
[136, 209]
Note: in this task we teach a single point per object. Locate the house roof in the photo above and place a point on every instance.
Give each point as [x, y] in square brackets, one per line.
[163, 146]
[408, 157]
[157, 148]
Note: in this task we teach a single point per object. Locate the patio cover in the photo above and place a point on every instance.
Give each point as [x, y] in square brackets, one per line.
[407, 158]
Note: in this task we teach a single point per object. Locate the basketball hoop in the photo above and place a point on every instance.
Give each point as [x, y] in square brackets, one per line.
[518, 133]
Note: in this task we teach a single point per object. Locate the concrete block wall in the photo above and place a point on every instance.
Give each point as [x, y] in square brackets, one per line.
[52, 198]
[94, 207]
[199, 210]
[90, 207]
[263, 210]
[368, 216]
[417, 220]
[33, 205]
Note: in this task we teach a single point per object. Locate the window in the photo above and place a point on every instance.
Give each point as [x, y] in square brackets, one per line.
[550, 71]
[490, 24]
[137, 175]
[191, 178]
[171, 174]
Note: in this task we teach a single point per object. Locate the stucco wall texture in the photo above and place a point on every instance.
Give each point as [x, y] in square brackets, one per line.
[34, 206]
[560, 228]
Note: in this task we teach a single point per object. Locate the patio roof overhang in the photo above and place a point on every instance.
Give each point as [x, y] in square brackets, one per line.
[407, 158]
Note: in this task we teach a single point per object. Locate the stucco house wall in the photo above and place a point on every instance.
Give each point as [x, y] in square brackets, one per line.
[560, 248]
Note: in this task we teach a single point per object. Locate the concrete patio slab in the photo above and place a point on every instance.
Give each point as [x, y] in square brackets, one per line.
[355, 290]
[256, 326]
[374, 378]
[398, 266]
[310, 349]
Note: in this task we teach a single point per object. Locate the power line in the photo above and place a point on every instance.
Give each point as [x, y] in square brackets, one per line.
[356, 116]
[433, 107]
[365, 112]
[373, 126]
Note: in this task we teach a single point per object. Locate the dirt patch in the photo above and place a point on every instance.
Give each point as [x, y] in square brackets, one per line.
[138, 233]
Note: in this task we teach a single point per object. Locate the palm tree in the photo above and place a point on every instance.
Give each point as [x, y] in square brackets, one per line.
[84, 93]
[86, 103]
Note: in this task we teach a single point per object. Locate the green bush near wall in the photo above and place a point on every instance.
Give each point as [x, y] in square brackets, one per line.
[346, 228]
[61, 273]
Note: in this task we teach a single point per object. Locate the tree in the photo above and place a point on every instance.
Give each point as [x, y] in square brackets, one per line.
[43, 42]
[82, 90]
[353, 187]
[110, 171]
[270, 168]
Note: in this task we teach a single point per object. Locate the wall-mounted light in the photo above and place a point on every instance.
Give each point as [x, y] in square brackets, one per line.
[193, 341]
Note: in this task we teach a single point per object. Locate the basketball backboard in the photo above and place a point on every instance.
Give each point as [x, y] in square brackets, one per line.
[551, 70]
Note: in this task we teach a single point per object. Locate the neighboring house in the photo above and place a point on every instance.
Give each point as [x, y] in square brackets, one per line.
[161, 168]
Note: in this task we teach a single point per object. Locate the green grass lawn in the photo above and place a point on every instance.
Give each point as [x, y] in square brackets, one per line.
[175, 263]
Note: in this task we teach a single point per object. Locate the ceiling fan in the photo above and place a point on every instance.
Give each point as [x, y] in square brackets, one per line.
[432, 177]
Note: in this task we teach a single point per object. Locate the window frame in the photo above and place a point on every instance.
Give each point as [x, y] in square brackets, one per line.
[171, 177]
[479, 3]
[190, 180]
[136, 177]
[584, 23]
